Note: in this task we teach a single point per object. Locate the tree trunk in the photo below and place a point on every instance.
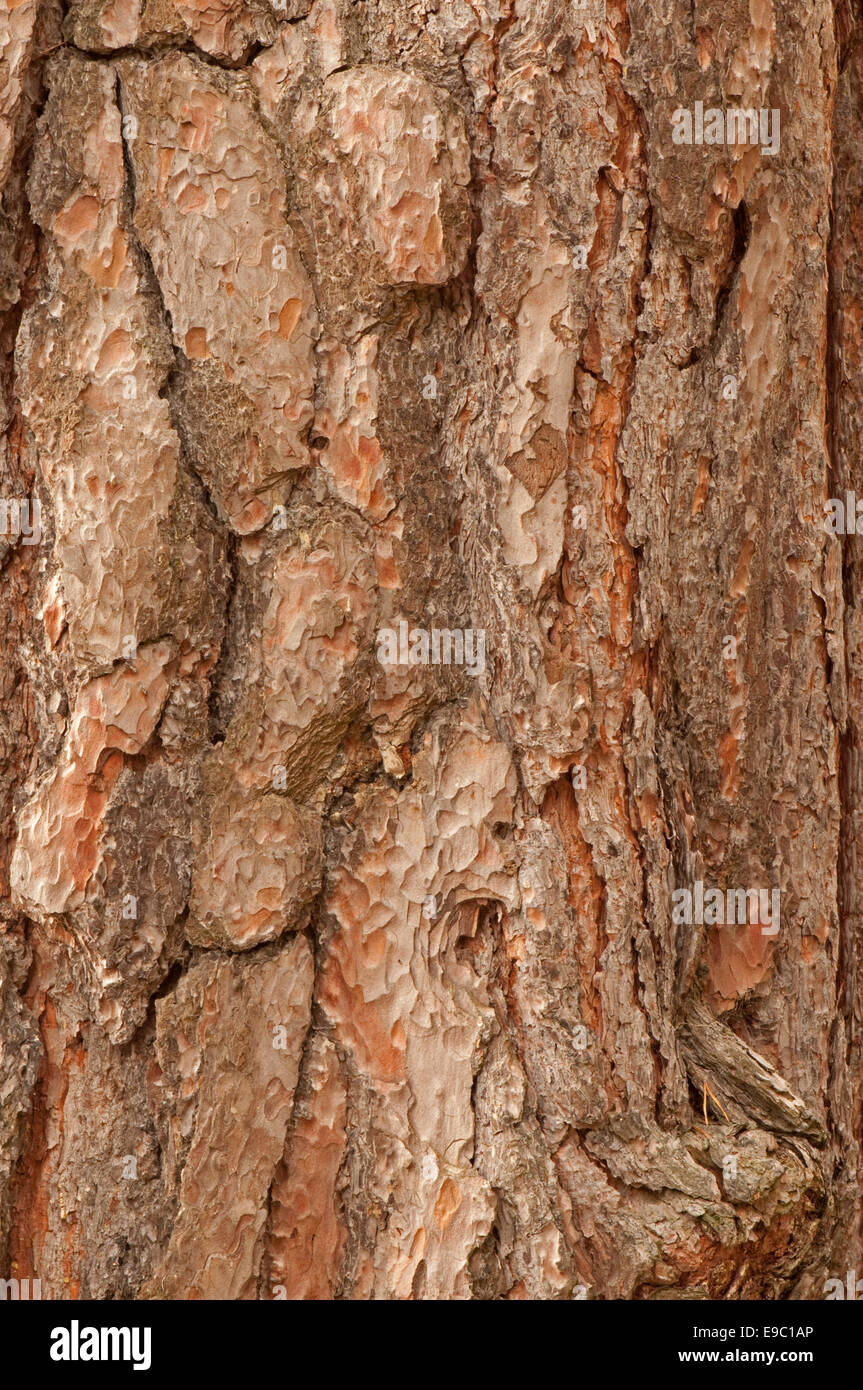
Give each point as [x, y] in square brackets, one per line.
[432, 693]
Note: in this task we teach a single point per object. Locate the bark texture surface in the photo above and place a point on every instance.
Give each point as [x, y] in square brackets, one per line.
[332, 974]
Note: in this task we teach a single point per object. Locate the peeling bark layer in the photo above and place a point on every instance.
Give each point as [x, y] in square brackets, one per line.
[424, 652]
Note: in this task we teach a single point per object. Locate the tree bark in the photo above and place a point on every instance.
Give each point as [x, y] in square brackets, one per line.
[423, 640]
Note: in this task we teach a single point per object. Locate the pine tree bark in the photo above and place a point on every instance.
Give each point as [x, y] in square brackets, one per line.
[331, 967]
